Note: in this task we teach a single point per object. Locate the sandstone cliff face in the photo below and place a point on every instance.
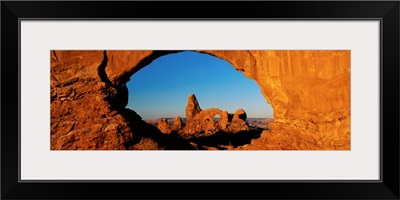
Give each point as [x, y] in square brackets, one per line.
[88, 110]
[308, 90]
[81, 118]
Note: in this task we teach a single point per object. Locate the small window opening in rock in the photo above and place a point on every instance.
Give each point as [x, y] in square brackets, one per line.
[217, 118]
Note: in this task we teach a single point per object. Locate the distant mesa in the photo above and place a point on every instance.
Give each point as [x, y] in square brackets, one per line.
[204, 121]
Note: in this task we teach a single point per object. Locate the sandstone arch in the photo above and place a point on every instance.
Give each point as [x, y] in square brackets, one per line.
[308, 90]
[204, 121]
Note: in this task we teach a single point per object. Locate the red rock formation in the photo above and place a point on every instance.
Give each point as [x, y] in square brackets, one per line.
[238, 122]
[192, 107]
[81, 117]
[308, 90]
[177, 125]
[87, 109]
[240, 114]
[163, 126]
[203, 121]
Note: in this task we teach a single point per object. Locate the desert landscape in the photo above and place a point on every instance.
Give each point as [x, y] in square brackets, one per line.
[204, 131]
[309, 91]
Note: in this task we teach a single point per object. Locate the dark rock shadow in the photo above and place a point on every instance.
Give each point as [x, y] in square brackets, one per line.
[224, 138]
[142, 129]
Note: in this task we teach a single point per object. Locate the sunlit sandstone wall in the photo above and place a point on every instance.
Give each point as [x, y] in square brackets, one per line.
[308, 90]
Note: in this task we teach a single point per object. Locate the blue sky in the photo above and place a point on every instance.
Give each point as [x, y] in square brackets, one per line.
[161, 89]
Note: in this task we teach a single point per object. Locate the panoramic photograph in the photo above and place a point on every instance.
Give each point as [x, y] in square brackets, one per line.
[200, 100]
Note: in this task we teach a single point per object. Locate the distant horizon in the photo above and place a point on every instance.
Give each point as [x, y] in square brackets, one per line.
[161, 89]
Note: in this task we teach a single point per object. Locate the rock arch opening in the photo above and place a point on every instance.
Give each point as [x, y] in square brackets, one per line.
[309, 91]
[161, 88]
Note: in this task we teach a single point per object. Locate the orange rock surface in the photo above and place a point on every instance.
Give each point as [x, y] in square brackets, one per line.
[192, 107]
[163, 126]
[309, 91]
[177, 125]
[202, 121]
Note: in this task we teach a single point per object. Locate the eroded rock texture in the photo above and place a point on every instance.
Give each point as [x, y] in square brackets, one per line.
[88, 110]
[177, 125]
[81, 117]
[238, 123]
[163, 126]
[192, 107]
[203, 121]
[308, 90]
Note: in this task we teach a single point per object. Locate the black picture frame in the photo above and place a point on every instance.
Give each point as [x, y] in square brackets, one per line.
[386, 11]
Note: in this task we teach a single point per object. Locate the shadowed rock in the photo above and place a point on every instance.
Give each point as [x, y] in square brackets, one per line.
[240, 114]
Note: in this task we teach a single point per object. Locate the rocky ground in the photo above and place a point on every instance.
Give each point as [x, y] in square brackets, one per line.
[253, 122]
[204, 132]
[220, 140]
